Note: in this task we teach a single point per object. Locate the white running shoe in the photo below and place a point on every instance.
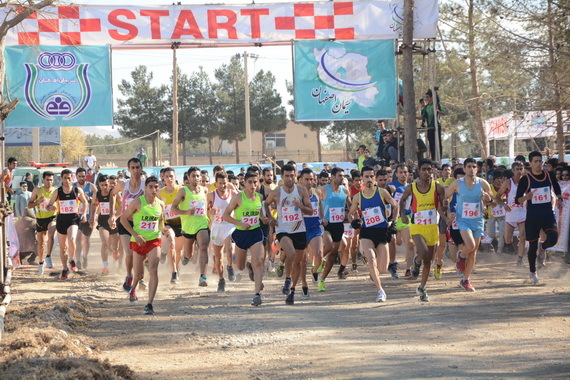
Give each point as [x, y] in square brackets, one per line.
[533, 277]
[381, 296]
[41, 269]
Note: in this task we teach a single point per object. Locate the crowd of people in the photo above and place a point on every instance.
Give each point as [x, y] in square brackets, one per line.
[301, 225]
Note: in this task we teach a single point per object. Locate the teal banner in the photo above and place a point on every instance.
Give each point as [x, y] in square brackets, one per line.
[59, 86]
[344, 80]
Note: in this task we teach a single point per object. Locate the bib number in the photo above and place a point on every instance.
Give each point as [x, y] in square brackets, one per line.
[105, 208]
[290, 214]
[398, 196]
[199, 207]
[470, 210]
[251, 220]
[217, 217]
[498, 211]
[426, 217]
[336, 214]
[315, 206]
[43, 205]
[454, 225]
[373, 216]
[541, 195]
[148, 226]
[168, 214]
[68, 207]
[348, 231]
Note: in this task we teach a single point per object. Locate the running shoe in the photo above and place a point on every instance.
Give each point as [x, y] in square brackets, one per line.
[421, 291]
[305, 292]
[221, 285]
[520, 263]
[533, 277]
[466, 284]
[48, 262]
[341, 275]
[185, 260]
[64, 274]
[256, 300]
[142, 285]
[393, 269]
[271, 266]
[321, 287]
[174, 278]
[381, 297]
[460, 264]
[238, 276]
[231, 275]
[354, 268]
[287, 286]
[105, 272]
[133, 295]
[162, 257]
[202, 281]
[280, 269]
[250, 270]
[127, 283]
[438, 271]
[408, 273]
[148, 310]
[72, 265]
[41, 269]
[116, 255]
[416, 269]
[290, 300]
[84, 262]
[542, 258]
[315, 277]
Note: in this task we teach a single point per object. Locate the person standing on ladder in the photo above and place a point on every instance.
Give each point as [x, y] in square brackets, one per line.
[428, 119]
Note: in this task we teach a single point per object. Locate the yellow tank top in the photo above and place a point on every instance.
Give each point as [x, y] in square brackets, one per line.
[41, 211]
[167, 199]
[424, 201]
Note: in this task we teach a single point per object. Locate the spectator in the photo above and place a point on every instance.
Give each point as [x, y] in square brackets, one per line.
[141, 155]
[368, 159]
[489, 168]
[421, 148]
[89, 175]
[29, 182]
[90, 160]
[360, 159]
[428, 119]
[22, 199]
[390, 152]
[379, 141]
[327, 168]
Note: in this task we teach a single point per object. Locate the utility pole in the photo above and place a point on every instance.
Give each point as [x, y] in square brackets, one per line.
[247, 111]
[175, 46]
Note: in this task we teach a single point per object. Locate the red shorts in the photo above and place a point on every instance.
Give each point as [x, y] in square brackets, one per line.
[146, 247]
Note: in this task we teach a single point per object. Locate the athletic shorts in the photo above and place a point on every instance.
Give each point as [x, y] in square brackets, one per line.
[122, 230]
[429, 232]
[456, 236]
[265, 228]
[103, 222]
[534, 225]
[336, 230]
[401, 225]
[193, 236]
[220, 232]
[442, 226]
[299, 239]
[313, 233]
[245, 239]
[516, 216]
[474, 225]
[177, 228]
[42, 224]
[85, 228]
[146, 247]
[62, 224]
[376, 235]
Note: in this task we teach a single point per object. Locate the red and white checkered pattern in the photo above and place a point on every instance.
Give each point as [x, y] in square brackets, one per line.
[310, 21]
[63, 23]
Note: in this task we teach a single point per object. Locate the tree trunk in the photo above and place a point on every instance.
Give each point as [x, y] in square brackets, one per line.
[184, 152]
[560, 139]
[262, 143]
[210, 149]
[347, 147]
[237, 150]
[410, 128]
[319, 152]
[154, 158]
[475, 94]
[454, 144]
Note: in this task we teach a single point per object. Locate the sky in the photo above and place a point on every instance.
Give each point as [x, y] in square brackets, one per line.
[277, 59]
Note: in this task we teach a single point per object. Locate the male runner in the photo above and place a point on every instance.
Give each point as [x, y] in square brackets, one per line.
[356, 187]
[101, 212]
[218, 200]
[268, 231]
[85, 229]
[172, 224]
[536, 189]
[146, 212]
[191, 204]
[471, 191]
[373, 234]
[130, 189]
[427, 203]
[45, 222]
[291, 201]
[67, 220]
[495, 215]
[246, 207]
[334, 200]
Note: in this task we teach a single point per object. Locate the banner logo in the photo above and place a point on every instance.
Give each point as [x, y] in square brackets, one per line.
[57, 86]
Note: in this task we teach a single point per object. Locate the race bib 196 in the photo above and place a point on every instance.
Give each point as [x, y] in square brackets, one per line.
[336, 214]
[373, 216]
[471, 210]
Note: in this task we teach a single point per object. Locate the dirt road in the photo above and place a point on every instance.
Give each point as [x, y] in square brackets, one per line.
[507, 328]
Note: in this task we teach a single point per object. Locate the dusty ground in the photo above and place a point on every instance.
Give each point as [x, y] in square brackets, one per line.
[507, 328]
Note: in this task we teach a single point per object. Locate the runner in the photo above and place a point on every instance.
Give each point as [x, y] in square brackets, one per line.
[146, 213]
[373, 234]
[246, 206]
[516, 213]
[190, 204]
[536, 189]
[67, 220]
[103, 208]
[129, 190]
[268, 231]
[8, 175]
[85, 229]
[426, 204]
[495, 216]
[445, 180]
[471, 190]
[291, 201]
[45, 222]
[356, 187]
[335, 199]
[172, 226]
[218, 200]
[454, 234]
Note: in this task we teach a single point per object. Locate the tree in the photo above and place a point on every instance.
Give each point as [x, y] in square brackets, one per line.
[73, 148]
[408, 81]
[188, 130]
[230, 90]
[348, 130]
[267, 113]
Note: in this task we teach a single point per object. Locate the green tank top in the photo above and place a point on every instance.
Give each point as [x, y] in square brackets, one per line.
[249, 211]
[193, 223]
[42, 212]
[145, 221]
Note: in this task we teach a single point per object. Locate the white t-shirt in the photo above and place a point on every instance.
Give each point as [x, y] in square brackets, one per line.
[91, 160]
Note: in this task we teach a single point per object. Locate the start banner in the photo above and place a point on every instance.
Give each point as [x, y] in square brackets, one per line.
[248, 23]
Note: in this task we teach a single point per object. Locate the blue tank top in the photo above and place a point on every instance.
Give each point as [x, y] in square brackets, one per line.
[540, 206]
[313, 221]
[400, 188]
[88, 194]
[334, 201]
[373, 211]
[453, 203]
[470, 199]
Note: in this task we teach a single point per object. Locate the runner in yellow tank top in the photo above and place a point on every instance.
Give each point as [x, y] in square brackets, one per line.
[427, 200]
